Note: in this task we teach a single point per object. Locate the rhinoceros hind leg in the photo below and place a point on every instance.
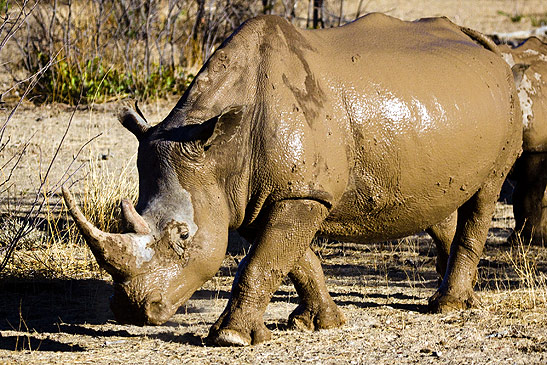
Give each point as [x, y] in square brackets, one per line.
[286, 235]
[474, 217]
[316, 310]
[530, 199]
[443, 235]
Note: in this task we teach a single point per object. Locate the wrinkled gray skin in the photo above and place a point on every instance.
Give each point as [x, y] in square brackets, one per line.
[367, 132]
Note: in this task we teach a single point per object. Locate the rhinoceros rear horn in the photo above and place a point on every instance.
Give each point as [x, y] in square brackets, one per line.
[114, 252]
[134, 121]
[133, 221]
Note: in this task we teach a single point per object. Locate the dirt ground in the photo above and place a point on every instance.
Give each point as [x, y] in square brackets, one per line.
[381, 288]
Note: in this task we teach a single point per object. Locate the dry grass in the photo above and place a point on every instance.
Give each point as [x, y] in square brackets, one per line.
[102, 191]
[58, 251]
[531, 290]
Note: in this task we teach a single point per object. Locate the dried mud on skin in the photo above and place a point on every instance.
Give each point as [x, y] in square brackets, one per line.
[381, 288]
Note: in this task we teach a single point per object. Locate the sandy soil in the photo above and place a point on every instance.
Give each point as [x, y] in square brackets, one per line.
[382, 288]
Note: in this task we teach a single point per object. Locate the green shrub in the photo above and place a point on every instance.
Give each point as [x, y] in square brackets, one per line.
[94, 81]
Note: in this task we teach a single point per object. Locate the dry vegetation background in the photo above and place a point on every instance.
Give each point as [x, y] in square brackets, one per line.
[67, 66]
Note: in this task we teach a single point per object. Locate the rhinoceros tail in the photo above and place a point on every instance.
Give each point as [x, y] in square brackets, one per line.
[481, 39]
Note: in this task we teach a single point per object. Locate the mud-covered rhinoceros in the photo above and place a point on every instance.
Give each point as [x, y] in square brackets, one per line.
[371, 131]
[530, 171]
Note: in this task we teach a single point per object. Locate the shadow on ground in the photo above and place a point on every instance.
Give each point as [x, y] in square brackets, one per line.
[27, 343]
[45, 305]
[37, 308]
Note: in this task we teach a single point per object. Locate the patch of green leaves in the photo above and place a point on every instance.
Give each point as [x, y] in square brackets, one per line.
[4, 7]
[94, 81]
[537, 20]
[515, 18]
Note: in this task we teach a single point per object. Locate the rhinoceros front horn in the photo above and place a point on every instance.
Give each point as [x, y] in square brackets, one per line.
[114, 252]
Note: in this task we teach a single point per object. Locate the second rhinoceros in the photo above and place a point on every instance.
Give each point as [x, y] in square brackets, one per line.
[530, 172]
[371, 131]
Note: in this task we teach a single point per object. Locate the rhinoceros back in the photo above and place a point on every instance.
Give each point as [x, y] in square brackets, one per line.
[532, 91]
[407, 123]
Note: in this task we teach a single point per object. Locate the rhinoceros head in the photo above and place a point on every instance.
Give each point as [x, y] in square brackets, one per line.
[176, 238]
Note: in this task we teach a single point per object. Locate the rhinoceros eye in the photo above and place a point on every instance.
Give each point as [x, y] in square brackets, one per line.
[185, 235]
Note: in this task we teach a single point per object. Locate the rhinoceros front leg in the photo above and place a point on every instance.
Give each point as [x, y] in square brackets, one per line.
[474, 217]
[287, 233]
[316, 310]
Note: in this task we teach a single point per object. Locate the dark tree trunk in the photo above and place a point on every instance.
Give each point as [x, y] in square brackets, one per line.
[266, 7]
[318, 14]
[199, 19]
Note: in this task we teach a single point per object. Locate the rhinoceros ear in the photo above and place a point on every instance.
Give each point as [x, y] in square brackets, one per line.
[219, 129]
[134, 121]
[518, 72]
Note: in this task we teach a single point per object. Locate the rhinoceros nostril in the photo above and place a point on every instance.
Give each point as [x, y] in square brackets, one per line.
[154, 307]
[154, 296]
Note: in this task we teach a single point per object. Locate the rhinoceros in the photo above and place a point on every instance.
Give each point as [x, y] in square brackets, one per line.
[530, 171]
[371, 131]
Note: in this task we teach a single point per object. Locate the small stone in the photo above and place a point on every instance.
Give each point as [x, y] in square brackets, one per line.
[497, 334]
[110, 343]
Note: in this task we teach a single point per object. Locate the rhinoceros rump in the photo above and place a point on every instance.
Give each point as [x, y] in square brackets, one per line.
[371, 131]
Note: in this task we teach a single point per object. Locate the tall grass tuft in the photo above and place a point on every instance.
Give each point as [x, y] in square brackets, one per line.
[104, 50]
[523, 258]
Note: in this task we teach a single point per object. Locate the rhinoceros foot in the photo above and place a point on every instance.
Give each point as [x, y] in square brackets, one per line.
[229, 337]
[306, 318]
[253, 334]
[442, 302]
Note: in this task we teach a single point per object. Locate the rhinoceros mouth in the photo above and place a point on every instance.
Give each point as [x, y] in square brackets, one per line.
[152, 310]
[121, 255]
